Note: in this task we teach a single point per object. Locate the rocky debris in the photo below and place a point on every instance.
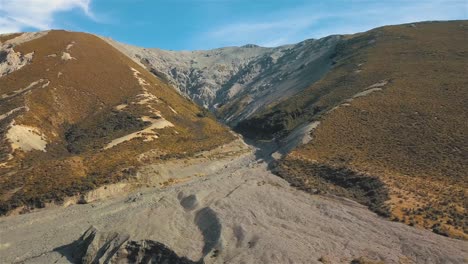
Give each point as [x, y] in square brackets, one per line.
[11, 61]
[149, 251]
[103, 246]
[95, 247]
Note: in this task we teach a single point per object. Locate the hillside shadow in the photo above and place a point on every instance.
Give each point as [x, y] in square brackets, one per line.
[263, 150]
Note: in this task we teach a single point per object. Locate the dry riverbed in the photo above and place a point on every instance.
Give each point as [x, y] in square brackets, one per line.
[226, 208]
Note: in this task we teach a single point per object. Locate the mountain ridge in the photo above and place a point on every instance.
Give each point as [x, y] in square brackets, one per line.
[128, 167]
[226, 80]
[352, 70]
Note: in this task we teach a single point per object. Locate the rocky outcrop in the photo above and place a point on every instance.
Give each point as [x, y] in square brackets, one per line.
[11, 60]
[96, 247]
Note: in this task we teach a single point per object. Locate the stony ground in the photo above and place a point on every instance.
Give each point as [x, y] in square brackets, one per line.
[228, 210]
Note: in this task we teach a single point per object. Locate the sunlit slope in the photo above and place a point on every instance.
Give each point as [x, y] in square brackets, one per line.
[76, 114]
[393, 107]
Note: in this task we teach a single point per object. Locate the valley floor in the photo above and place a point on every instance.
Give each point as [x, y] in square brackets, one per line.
[228, 209]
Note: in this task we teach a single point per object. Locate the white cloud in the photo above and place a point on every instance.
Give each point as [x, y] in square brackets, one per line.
[15, 15]
[314, 21]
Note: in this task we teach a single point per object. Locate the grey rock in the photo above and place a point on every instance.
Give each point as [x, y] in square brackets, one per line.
[242, 79]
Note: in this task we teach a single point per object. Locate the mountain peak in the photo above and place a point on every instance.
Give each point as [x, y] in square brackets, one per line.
[250, 46]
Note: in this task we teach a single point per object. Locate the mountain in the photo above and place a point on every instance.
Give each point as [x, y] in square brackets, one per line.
[393, 111]
[361, 129]
[237, 82]
[386, 108]
[77, 114]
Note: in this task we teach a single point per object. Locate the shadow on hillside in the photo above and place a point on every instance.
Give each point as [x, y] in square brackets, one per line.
[322, 178]
[263, 150]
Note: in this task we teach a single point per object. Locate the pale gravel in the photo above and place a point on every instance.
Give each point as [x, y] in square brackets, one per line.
[260, 218]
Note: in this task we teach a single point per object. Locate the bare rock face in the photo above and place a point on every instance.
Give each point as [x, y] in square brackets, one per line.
[10, 60]
[236, 82]
[149, 251]
[95, 247]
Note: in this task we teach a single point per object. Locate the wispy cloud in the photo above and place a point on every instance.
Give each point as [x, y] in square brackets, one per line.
[314, 21]
[17, 15]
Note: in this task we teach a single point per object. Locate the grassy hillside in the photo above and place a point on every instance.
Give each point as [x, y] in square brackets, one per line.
[394, 108]
[96, 112]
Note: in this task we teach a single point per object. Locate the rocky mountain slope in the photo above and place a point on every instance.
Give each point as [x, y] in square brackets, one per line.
[389, 117]
[131, 171]
[385, 107]
[236, 82]
[75, 114]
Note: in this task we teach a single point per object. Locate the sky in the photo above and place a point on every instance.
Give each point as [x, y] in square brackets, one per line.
[206, 24]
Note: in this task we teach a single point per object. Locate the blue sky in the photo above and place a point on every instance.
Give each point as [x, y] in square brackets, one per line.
[205, 24]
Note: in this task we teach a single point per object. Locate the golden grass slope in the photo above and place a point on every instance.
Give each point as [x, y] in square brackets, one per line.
[410, 131]
[86, 95]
